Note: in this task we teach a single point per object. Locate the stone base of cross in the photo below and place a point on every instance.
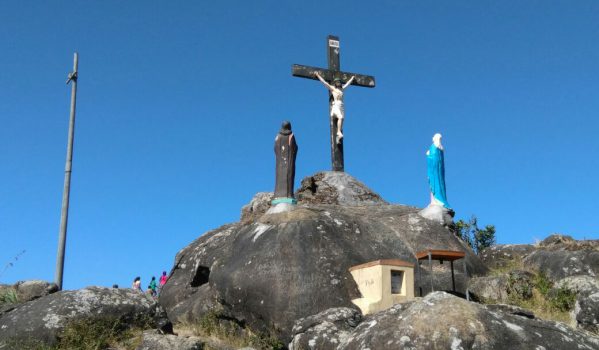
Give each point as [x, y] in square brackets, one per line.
[330, 75]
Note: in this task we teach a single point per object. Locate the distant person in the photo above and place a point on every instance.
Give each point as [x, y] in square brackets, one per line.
[137, 284]
[163, 279]
[153, 287]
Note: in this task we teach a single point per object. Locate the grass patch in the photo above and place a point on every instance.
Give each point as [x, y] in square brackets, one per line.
[543, 284]
[26, 345]
[92, 334]
[507, 266]
[544, 308]
[545, 301]
[8, 296]
[225, 330]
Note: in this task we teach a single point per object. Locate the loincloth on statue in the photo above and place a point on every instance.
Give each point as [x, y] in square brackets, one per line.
[337, 109]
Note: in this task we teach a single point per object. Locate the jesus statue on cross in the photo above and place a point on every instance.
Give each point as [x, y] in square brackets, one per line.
[335, 81]
[337, 110]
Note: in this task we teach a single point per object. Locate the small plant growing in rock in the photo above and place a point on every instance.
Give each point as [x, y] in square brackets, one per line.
[543, 283]
[230, 331]
[103, 333]
[8, 296]
[563, 299]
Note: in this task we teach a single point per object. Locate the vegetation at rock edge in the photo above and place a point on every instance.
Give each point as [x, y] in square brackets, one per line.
[222, 329]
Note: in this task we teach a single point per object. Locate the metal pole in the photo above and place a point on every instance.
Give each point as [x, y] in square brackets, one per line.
[64, 214]
[466, 280]
[430, 265]
[419, 276]
[452, 276]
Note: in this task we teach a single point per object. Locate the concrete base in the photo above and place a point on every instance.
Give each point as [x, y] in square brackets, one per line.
[281, 208]
[438, 213]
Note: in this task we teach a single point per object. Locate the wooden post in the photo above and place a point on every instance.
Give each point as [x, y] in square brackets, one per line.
[64, 214]
[334, 62]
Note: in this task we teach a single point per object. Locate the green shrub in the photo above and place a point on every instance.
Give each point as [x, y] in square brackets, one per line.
[543, 283]
[103, 332]
[265, 341]
[8, 296]
[91, 333]
[231, 332]
[477, 238]
[563, 300]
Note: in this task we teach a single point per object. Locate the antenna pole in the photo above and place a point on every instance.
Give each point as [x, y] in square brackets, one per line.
[64, 215]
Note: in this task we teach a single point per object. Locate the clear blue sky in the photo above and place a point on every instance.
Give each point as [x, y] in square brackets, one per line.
[179, 103]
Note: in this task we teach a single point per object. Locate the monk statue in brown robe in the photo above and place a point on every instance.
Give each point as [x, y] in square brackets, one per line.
[285, 153]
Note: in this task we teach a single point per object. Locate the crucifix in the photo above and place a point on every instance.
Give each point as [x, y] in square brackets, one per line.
[336, 81]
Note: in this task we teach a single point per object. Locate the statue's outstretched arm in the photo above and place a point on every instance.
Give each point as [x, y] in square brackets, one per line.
[323, 81]
[349, 82]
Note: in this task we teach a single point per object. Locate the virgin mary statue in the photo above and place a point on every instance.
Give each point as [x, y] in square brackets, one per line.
[436, 172]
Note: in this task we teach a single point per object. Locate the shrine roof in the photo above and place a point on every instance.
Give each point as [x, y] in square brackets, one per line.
[438, 254]
[389, 262]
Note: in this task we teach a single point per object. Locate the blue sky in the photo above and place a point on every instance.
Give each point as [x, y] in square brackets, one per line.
[179, 103]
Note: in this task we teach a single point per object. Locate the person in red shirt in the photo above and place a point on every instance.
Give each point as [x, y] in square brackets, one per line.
[163, 280]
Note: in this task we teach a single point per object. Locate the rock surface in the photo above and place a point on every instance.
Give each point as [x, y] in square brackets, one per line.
[516, 284]
[586, 312]
[557, 256]
[154, 340]
[566, 262]
[582, 285]
[491, 289]
[332, 187]
[505, 255]
[442, 321]
[33, 289]
[586, 309]
[325, 330]
[23, 291]
[559, 264]
[268, 271]
[44, 318]
[256, 207]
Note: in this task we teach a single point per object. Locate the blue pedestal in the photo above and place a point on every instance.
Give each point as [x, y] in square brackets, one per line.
[283, 200]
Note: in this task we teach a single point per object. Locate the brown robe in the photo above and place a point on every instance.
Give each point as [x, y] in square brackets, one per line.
[285, 153]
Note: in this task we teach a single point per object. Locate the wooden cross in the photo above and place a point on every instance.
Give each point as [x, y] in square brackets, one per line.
[330, 75]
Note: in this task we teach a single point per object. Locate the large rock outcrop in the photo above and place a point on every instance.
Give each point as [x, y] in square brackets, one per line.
[270, 269]
[439, 321]
[43, 319]
[23, 291]
[586, 309]
[557, 256]
[516, 284]
[566, 264]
